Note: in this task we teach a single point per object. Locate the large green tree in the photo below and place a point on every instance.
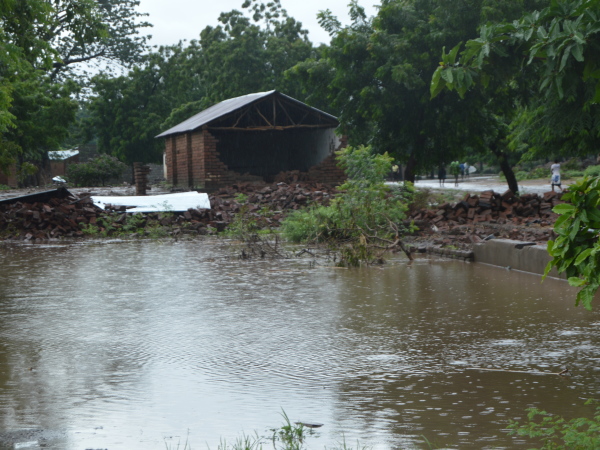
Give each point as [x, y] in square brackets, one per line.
[40, 44]
[557, 47]
[380, 76]
[376, 74]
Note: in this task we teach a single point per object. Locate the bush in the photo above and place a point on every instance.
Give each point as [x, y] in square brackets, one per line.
[520, 176]
[309, 225]
[592, 171]
[366, 214]
[570, 174]
[557, 433]
[96, 171]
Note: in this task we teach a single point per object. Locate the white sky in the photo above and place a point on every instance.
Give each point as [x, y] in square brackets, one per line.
[175, 20]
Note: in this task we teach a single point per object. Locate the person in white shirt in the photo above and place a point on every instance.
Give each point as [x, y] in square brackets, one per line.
[555, 180]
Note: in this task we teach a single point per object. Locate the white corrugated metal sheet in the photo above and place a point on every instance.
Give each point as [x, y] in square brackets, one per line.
[61, 155]
[181, 201]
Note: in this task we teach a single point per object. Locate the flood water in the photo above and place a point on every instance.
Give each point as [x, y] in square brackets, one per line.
[140, 345]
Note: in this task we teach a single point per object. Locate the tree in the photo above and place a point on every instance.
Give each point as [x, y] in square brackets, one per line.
[40, 43]
[244, 54]
[576, 249]
[126, 112]
[556, 47]
[380, 77]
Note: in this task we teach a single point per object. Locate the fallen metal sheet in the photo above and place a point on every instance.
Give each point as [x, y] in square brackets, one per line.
[61, 155]
[44, 196]
[181, 201]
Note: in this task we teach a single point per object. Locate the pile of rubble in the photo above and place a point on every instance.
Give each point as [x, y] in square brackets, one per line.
[492, 207]
[43, 216]
[60, 213]
[488, 215]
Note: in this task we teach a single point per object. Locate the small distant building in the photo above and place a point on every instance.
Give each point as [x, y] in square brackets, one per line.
[255, 137]
[60, 159]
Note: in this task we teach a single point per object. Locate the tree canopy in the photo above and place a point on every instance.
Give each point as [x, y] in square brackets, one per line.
[557, 47]
[40, 44]
[378, 75]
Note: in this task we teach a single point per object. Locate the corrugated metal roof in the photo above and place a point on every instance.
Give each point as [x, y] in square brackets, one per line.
[58, 155]
[226, 107]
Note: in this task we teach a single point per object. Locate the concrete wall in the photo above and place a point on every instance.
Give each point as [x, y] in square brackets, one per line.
[514, 254]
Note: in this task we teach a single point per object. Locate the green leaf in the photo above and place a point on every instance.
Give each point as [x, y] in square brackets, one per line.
[586, 297]
[583, 256]
[576, 282]
[564, 208]
[437, 84]
[453, 53]
[447, 75]
[578, 52]
[575, 228]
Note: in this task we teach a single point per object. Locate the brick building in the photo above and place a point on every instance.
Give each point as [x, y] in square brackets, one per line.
[254, 137]
[60, 160]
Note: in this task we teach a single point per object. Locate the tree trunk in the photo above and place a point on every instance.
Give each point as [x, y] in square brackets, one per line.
[409, 171]
[506, 168]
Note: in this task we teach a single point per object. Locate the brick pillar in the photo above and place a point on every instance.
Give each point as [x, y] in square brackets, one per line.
[190, 171]
[174, 177]
[198, 163]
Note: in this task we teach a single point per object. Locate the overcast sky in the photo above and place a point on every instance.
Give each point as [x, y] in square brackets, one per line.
[175, 20]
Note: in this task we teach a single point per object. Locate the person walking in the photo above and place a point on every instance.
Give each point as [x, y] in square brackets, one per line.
[442, 175]
[555, 180]
[455, 170]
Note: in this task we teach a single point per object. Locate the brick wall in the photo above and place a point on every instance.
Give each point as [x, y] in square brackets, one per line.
[216, 173]
[9, 178]
[193, 162]
[169, 160]
[328, 171]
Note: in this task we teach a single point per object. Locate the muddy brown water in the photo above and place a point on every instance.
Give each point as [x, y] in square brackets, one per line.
[141, 345]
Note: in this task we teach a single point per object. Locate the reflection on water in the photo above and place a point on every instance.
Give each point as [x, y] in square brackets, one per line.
[130, 345]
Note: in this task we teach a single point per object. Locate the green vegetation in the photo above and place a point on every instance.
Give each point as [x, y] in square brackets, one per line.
[576, 250]
[549, 49]
[592, 171]
[366, 217]
[152, 226]
[96, 171]
[41, 45]
[555, 432]
[289, 436]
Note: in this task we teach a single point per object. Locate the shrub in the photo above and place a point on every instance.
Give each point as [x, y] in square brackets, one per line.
[570, 174]
[366, 214]
[592, 171]
[96, 171]
[557, 433]
[520, 176]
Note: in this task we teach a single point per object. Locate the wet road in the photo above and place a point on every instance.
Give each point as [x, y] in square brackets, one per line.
[483, 183]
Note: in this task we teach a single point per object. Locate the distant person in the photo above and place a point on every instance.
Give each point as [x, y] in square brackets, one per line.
[455, 171]
[555, 180]
[467, 169]
[462, 171]
[395, 172]
[442, 175]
